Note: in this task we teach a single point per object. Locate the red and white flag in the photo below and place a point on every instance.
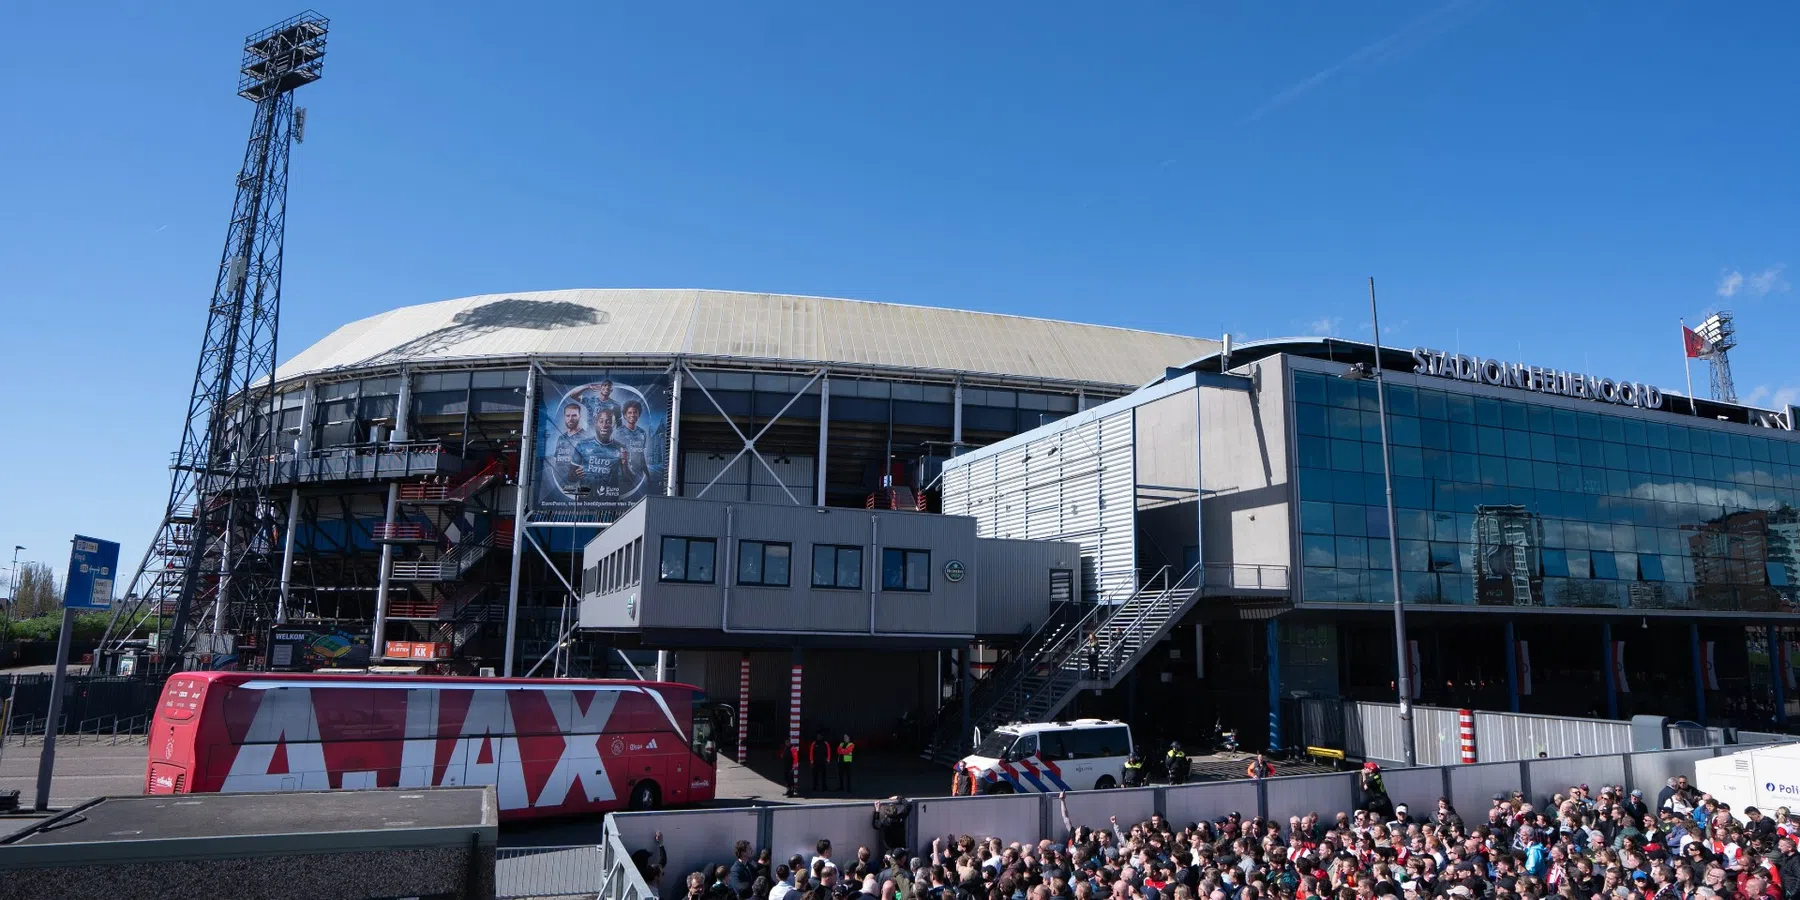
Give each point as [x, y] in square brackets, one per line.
[1697, 346]
[1413, 670]
[1708, 671]
[1524, 650]
[1618, 666]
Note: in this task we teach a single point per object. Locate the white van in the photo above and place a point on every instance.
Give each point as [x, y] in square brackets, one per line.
[1046, 757]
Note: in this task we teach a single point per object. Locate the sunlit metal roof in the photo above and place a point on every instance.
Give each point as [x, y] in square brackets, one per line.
[567, 326]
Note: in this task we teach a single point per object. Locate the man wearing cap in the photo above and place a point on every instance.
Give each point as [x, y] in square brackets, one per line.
[1374, 791]
[1635, 805]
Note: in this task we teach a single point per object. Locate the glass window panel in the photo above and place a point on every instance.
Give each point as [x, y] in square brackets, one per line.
[1312, 419]
[1315, 484]
[1346, 423]
[1634, 431]
[1611, 429]
[918, 571]
[1491, 440]
[1350, 519]
[1605, 566]
[1460, 408]
[1579, 564]
[1650, 566]
[1315, 518]
[849, 567]
[750, 562]
[700, 561]
[1445, 557]
[1544, 476]
[1409, 462]
[1367, 396]
[1463, 440]
[893, 570]
[1624, 537]
[1541, 421]
[1487, 412]
[1379, 557]
[1420, 587]
[1543, 447]
[1778, 576]
[1318, 550]
[1518, 473]
[1376, 521]
[775, 564]
[1587, 426]
[1347, 487]
[1346, 456]
[1352, 552]
[1514, 416]
[1437, 464]
[1518, 444]
[1315, 452]
[1414, 523]
[1637, 457]
[1564, 421]
[1656, 434]
[1402, 400]
[1405, 431]
[1434, 434]
[1415, 556]
[1493, 470]
[674, 559]
[1556, 563]
[1614, 455]
[1341, 394]
[824, 565]
[1309, 388]
[1371, 426]
[1433, 405]
[1371, 459]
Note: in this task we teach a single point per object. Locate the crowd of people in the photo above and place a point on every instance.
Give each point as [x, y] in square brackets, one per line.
[1580, 844]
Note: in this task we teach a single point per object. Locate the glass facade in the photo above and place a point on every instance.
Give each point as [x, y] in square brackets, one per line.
[1512, 503]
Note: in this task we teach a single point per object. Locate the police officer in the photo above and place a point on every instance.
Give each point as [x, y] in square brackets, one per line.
[1134, 770]
[846, 754]
[1177, 763]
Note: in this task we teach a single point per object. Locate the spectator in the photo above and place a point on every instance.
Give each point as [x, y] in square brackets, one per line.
[784, 883]
[743, 870]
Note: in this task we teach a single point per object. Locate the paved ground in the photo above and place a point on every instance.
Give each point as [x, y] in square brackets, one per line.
[82, 770]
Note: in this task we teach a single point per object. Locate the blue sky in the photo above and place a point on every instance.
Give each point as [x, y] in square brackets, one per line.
[1557, 182]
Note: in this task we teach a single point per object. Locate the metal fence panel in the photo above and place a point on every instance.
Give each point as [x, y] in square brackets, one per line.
[797, 829]
[1297, 795]
[1439, 741]
[1093, 808]
[1014, 818]
[1651, 771]
[547, 871]
[1503, 736]
[1472, 788]
[1556, 776]
[1199, 802]
[1419, 789]
[694, 839]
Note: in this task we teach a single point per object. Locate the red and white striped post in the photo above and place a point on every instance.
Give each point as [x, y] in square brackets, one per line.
[794, 717]
[743, 710]
[1465, 728]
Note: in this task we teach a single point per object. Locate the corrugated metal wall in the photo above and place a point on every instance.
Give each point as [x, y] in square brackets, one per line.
[1074, 485]
[746, 479]
[1372, 730]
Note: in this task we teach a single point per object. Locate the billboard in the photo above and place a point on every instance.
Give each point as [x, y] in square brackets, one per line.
[303, 648]
[602, 442]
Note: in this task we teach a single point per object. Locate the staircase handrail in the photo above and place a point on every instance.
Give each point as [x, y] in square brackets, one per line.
[1165, 597]
[464, 488]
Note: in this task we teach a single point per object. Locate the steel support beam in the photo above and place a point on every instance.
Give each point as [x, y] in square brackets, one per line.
[521, 509]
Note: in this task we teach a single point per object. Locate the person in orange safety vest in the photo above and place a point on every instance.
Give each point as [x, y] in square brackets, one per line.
[846, 754]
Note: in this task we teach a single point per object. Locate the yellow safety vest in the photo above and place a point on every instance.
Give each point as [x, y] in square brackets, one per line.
[847, 752]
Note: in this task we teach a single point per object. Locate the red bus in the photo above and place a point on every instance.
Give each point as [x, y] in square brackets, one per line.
[550, 747]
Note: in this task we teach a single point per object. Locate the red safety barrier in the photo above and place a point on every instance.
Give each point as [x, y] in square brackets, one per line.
[1465, 726]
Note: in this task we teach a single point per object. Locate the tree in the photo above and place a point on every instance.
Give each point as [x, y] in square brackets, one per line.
[38, 593]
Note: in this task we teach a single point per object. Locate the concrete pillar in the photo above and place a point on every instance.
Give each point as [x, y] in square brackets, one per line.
[1606, 671]
[521, 510]
[968, 687]
[824, 438]
[378, 637]
[1273, 635]
[794, 712]
[1699, 672]
[1512, 667]
[743, 710]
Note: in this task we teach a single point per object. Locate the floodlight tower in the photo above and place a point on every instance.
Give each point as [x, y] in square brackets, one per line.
[1721, 333]
[207, 566]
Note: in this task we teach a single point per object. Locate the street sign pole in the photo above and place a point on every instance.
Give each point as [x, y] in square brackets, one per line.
[92, 566]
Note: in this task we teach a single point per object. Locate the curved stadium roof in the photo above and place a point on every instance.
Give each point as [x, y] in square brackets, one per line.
[565, 326]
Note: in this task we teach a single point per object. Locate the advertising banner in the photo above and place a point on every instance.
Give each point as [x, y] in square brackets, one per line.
[602, 442]
[303, 648]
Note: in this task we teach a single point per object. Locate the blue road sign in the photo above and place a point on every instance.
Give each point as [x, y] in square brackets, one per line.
[92, 565]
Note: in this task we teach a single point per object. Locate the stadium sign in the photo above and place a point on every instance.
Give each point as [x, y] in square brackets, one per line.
[1461, 367]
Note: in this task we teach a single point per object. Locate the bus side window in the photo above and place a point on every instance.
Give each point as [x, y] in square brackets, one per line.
[704, 744]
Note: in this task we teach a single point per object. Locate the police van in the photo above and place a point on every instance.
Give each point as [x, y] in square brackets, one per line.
[1046, 757]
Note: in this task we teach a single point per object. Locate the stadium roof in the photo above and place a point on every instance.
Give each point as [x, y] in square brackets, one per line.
[608, 324]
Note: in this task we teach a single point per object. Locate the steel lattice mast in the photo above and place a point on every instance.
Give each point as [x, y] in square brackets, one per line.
[208, 565]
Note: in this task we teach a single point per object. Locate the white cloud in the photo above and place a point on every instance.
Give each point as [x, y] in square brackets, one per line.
[1767, 397]
[1730, 283]
[1326, 326]
[1756, 284]
[1769, 281]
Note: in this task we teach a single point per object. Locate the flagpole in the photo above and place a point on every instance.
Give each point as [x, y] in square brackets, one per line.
[1687, 365]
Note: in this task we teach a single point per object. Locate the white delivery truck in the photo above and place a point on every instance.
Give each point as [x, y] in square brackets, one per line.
[1767, 778]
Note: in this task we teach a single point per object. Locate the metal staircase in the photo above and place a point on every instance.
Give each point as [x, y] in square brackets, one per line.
[451, 565]
[1079, 646]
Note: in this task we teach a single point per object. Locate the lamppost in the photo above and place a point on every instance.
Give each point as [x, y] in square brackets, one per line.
[12, 598]
[1402, 659]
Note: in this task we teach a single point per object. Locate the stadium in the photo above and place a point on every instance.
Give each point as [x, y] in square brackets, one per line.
[415, 532]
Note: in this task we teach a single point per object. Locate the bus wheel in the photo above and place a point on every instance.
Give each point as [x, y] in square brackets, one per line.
[1106, 783]
[643, 796]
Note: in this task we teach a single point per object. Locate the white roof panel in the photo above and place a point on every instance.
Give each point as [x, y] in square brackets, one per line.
[769, 327]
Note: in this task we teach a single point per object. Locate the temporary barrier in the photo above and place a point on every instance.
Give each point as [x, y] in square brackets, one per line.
[1465, 734]
[701, 838]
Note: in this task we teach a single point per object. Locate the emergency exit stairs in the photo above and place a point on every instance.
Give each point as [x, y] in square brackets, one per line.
[1079, 647]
